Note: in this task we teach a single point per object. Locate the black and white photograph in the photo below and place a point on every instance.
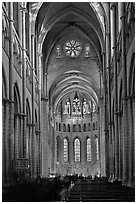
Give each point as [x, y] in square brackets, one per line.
[68, 101]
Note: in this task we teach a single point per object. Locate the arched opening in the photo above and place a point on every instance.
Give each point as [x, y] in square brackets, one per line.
[18, 145]
[66, 152]
[77, 150]
[89, 152]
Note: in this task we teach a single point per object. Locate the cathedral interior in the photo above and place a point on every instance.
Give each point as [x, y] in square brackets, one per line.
[68, 98]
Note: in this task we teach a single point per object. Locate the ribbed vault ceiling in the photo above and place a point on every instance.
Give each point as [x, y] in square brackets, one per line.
[56, 22]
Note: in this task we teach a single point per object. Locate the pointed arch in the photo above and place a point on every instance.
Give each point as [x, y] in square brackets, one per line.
[17, 123]
[77, 150]
[66, 149]
[17, 104]
[28, 112]
[88, 147]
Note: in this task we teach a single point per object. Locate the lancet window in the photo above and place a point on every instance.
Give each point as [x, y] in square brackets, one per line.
[67, 108]
[76, 106]
[65, 150]
[77, 150]
[85, 107]
[88, 150]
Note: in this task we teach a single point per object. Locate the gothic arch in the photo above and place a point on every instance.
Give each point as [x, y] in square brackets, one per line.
[17, 100]
[28, 112]
[77, 149]
[17, 123]
[66, 149]
[4, 84]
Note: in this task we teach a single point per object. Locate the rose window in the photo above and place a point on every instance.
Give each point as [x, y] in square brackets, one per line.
[72, 48]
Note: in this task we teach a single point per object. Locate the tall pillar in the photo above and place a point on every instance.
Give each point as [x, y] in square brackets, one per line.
[133, 144]
[125, 104]
[105, 112]
[17, 134]
[39, 107]
[4, 141]
[10, 132]
[32, 104]
[23, 11]
[108, 58]
[130, 140]
[44, 127]
[44, 135]
[113, 7]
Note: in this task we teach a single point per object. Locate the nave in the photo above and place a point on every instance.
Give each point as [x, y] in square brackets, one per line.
[68, 100]
[70, 189]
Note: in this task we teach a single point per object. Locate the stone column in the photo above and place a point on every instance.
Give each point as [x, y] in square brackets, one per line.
[133, 144]
[105, 113]
[113, 7]
[10, 132]
[4, 141]
[125, 106]
[39, 107]
[17, 135]
[131, 140]
[108, 58]
[32, 104]
[23, 11]
[27, 140]
[44, 136]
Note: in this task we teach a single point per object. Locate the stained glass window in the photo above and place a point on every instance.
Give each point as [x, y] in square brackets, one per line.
[94, 108]
[97, 149]
[67, 108]
[77, 150]
[88, 149]
[72, 48]
[57, 148]
[85, 107]
[65, 150]
[76, 107]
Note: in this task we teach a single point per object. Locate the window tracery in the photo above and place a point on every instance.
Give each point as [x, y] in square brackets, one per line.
[77, 150]
[97, 149]
[88, 150]
[85, 107]
[67, 108]
[93, 108]
[76, 107]
[72, 48]
[65, 150]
